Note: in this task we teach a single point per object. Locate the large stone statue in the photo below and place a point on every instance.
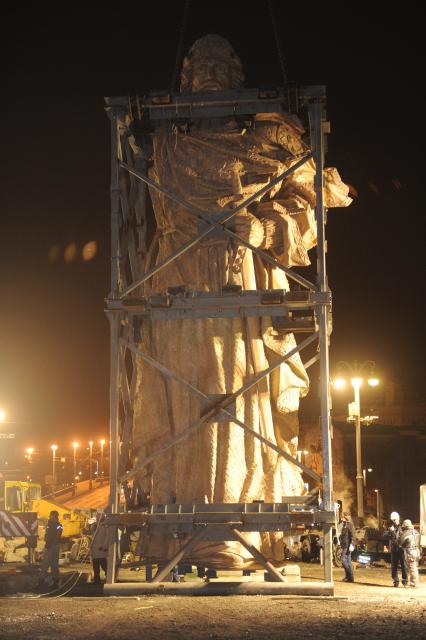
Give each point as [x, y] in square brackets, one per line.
[212, 166]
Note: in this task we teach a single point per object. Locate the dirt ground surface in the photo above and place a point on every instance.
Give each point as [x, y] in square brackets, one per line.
[369, 608]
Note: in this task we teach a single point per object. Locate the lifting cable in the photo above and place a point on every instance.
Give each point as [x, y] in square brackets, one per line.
[173, 83]
[182, 33]
[278, 42]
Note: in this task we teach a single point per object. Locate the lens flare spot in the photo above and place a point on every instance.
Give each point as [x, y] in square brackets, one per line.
[70, 252]
[53, 253]
[373, 186]
[89, 250]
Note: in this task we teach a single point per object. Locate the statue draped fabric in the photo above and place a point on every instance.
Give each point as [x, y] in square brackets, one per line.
[211, 166]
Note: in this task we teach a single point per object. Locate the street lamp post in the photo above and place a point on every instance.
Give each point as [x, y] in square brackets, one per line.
[355, 370]
[74, 481]
[356, 383]
[379, 509]
[102, 460]
[90, 464]
[53, 447]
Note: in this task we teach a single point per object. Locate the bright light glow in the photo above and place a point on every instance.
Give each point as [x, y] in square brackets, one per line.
[356, 382]
[373, 382]
[339, 383]
[29, 451]
[2, 415]
[367, 420]
[75, 445]
[89, 250]
[376, 490]
[70, 252]
[53, 447]
[91, 443]
[369, 470]
[102, 443]
[305, 452]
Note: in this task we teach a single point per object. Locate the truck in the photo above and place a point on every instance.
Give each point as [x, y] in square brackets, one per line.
[19, 500]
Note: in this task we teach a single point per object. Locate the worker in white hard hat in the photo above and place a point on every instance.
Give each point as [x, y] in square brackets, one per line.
[410, 543]
[393, 536]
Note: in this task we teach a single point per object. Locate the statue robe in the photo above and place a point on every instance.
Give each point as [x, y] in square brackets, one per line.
[220, 462]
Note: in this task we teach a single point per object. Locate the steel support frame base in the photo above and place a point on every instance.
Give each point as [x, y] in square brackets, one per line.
[218, 588]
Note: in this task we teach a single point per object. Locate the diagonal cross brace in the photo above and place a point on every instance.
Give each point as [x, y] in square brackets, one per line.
[222, 405]
[205, 216]
[255, 553]
[163, 572]
[174, 376]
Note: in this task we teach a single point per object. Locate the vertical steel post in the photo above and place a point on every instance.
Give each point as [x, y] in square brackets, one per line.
[114, 320]
[316, 111]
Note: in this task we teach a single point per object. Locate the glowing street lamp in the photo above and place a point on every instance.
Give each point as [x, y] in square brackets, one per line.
[75, 447]
[53, 447]
[339, 383]
[364, 474]
[2, 415]
[28, 453]
[356, 372]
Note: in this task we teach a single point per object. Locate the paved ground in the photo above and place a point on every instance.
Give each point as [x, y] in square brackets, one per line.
[369, 608]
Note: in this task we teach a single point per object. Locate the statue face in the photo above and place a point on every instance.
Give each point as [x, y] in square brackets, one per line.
[211, 75]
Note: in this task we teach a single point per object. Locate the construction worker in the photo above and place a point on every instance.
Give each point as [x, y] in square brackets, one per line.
[347, 536]
[410, 544]
[52, 539]
[99, 547]
[393, 536]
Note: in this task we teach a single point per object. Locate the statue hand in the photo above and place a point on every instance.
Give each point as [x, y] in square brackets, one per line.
[249, 228]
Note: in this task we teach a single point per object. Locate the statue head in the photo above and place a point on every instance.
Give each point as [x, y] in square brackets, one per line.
[211, 65]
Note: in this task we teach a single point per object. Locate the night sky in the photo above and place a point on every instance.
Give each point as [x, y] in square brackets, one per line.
[54, 351]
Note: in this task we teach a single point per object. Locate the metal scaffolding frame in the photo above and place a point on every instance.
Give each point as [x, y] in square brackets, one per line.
[125, 308]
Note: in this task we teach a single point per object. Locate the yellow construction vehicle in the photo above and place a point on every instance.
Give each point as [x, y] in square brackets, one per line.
[23, 517]
[17, 496]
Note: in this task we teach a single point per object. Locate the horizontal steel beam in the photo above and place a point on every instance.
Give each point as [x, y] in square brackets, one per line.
[200, 304]
[262, 521]
[217, 588]
[233, 507]
[164, 105]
